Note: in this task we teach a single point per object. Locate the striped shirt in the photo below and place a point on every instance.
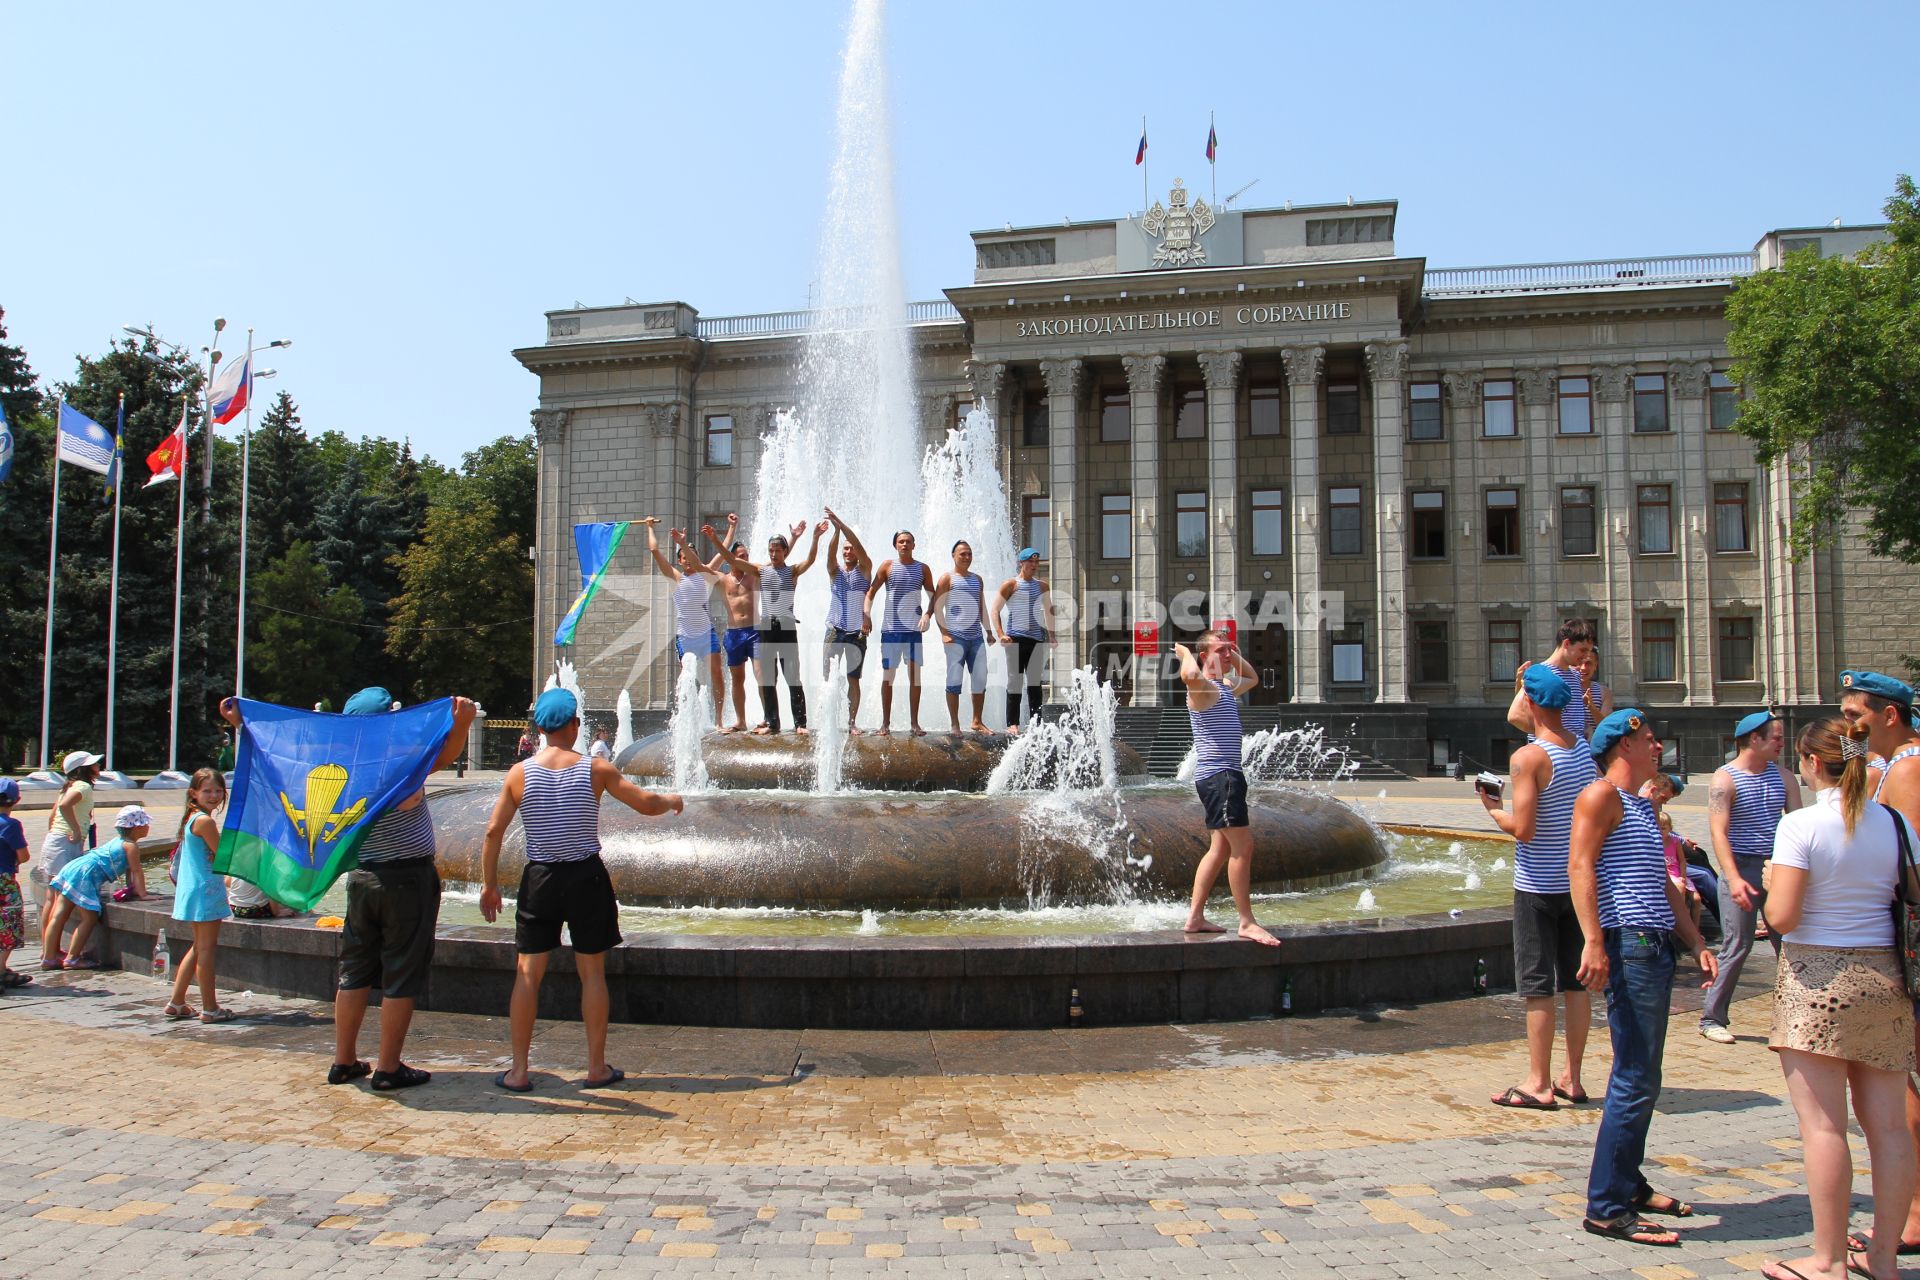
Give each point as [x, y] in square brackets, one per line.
[1540, 864]
[1758, 801]
[1216, 734]
[1574, 716]
[904, 583]
[1023, 610]
[560, 813]
[776, 595]
[849, 589]
[692, 611]
[1885, 767]
[965, 606]
[1633, 870]
[399, 835]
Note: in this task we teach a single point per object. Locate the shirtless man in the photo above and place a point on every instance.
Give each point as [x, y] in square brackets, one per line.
[693, 630]
[906, 581]
[741, 591]
[1215, 681]
[779, 641]
[852, 570]
[966, 631]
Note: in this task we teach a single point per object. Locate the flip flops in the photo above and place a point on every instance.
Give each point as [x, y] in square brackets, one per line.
[614, 1076]
[500, 1082]
[1668, 1207]
[1575, 1098]
[1629, 1227]
[1523, 1101]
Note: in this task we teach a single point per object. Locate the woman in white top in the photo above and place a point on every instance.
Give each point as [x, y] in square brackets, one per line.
[1842, 1020]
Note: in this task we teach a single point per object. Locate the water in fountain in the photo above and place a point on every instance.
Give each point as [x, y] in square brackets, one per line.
[565, 677]
[692, 720]
[1287, 755]
[830, 730]
[623, 729]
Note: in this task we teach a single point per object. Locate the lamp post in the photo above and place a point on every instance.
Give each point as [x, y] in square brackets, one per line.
[246, 489]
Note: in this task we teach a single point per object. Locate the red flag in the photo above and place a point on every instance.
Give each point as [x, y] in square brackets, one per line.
[170, 457]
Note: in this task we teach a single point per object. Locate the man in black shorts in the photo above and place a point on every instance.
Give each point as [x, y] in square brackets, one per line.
[557, 795]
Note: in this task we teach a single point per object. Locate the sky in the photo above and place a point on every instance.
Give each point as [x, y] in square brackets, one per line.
[404, 190]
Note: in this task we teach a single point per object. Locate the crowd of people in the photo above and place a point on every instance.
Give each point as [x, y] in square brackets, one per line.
[1606, 895]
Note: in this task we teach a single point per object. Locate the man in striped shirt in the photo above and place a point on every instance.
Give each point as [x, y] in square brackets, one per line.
[1573, 648]
[852, 570]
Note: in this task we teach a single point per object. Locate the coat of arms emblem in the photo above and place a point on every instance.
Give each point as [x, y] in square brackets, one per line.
[1179, 228]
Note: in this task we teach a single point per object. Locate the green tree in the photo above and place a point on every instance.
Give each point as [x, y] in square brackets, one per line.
[288, 481]
[1828, 353]
[459, 623]
[504, 472]
[308, 628]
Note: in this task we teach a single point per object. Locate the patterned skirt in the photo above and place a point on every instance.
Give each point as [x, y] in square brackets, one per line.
[1843, 1002]
[13, 915]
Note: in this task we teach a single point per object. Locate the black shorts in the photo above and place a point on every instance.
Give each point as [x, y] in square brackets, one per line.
[850, 645]
[392, 909]
[1546, 944]
[578, 895]
[1224, 796]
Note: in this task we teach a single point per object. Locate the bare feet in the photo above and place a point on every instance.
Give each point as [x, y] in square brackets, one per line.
[855, 731]
[802, 731]
[1013, 731]
[729, 728]
[762, 731]
[1256, 933]
[1200, 924]
[918, 732]
[881, 732]
[978, 726]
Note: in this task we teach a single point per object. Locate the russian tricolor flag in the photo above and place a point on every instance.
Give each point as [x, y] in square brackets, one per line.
[1140, 156]
[231, 390]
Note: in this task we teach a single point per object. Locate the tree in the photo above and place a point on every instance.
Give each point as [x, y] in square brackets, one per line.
[461, 620]
[308, 631]
[1828, 353]
[506, 473]
[288, 480]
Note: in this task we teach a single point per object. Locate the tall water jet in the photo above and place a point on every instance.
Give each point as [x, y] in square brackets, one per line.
[623, 730]
[566, 677]
[691, 722]
[830, 731]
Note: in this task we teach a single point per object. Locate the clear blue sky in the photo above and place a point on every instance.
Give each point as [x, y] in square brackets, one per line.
[404, 189]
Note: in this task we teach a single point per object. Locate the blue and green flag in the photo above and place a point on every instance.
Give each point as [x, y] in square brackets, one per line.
[308, 785]
[596, 543]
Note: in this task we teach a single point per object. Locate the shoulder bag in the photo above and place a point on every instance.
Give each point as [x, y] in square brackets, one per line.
[1906, 911]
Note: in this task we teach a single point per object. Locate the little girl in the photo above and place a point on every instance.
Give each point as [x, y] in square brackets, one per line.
[200, 897]
[75, 890]
[13, 915]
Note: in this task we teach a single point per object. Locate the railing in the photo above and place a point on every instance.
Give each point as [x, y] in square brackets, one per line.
[766, 323]
[1609, 273]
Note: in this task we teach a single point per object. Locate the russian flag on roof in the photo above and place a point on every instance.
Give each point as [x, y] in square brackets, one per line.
[230, 391]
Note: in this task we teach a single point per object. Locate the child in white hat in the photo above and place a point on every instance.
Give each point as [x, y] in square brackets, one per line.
[76, 889]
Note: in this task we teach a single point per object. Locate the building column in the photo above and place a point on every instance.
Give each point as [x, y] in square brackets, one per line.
[1065, 381]
[1145, 376]
[553, 540]
[1693, 495]
[1304, 364]
[1613, 394]
[1387, 363]
[674, 504]
[1473, 634]
[988, 378]
[1537, 388]
[1222, 370]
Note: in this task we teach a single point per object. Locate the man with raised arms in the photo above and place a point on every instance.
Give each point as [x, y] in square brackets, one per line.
[852, 570]
[906, 581]
[693, 629]
[779, 639]
[1026, 626]
[1215, 681]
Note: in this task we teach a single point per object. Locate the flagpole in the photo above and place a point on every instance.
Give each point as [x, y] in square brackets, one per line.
[53, 562]
[113, 590]
[246, 488]
[1213, 164]
[1143, 167]
[179, 582]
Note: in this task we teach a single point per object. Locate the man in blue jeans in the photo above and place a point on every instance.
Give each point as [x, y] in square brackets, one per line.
[1631, 912]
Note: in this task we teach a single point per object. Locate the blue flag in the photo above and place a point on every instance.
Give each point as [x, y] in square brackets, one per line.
[596, 544]
[119, 453]
[84, 442]
[6, 445]
[307, 787]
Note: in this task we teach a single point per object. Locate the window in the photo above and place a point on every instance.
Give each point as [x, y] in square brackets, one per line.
[1656, 519]
[1349, 656]
[1343, 522]
[1429, 525]
[1736, 648]
[1500, 753]
[1723, 402]
[1269, 522]
[1657, 648]
[1263, 409]
[1496, 409]
[1116, 416]
[1190, 525]
[1576, 406]
[961, 408]
[1730, 518]
[1116, 526]
[1343, 408]
[1003, 254]
[719, 439]
[1503, 650]
[1190, 413]
[1354, 230]
[1424, 421]
[1036, 419]
[1039, 524]
[1503, 522]
[1579, 530]
[1649, 402]
[1430, 657]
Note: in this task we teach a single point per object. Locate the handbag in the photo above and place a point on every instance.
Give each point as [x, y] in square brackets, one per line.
[1906, 911]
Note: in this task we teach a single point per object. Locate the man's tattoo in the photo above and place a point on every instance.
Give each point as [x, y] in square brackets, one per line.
[1718, 801]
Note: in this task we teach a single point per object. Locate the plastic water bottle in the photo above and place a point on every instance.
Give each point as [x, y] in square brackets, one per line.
[1074, 1012]
[1479, 977]
[1286, 998]
[162, 958]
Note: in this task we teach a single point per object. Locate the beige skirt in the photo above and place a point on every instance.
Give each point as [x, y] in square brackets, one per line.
[1843, 1002]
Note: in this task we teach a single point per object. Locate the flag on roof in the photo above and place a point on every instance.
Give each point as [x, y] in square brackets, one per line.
[1140, 156]
[84, 442]
[1213, 143]
[230, 391]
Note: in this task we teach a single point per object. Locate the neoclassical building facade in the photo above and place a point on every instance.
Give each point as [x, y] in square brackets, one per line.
[1395, 480]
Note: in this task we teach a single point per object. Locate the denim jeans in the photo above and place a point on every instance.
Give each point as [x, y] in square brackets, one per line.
[1736, 940]
[1639, 994]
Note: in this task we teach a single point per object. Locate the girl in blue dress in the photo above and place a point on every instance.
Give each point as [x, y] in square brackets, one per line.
[75, 890]
[200, 897]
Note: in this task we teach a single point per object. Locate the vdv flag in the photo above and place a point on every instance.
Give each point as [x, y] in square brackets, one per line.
[308, 786]
[84, 442]
[119, 452]
[596, 544]
[6, 445]
[228, 396]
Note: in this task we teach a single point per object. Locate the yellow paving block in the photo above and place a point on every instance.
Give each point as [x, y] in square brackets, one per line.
[1428, 1226]
[211, 1189]
[767, 1213]
[1751, 1261]
[339, 1222]
[680, 1211]
[1784, 1144]
[118, 1217]
[1188, 1228]
[1030, 1234]
[366, 1199]
[1185, 1242]
[106, 1179]
[1273, 1237]
[1167, 1206]
[237, 1202]
[682, 1249]
[502, 1206]
[843, 1213]
[232, 1228]
[1051, 1244]
[1536, 1178]
[1238, 1215]
[1388, 1211]
[1415, 1189]
[1664, 1271]
[1499, 1193]
[1726, 1190]
[885, 1251]
[1459, 1211]
[1032, 1210]
[1293, 1200]
[833, 1237]
[960, 1224]
[585, 1210]
[400, 1239]
[692, 1223]
[1569, 1198]
[643, 1235]
[527, 1244]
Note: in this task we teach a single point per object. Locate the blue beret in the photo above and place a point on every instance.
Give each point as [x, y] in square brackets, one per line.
[555, 709]
[1880, 686]
[1758, 720]
[1615, 727]
[370, 701]
[1545, 688]
[1677, 782]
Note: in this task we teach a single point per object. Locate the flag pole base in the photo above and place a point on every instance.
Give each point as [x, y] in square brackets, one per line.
[168, 780]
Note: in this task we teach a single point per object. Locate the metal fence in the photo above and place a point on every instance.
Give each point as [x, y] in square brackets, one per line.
[766, 323]
[1600, 273]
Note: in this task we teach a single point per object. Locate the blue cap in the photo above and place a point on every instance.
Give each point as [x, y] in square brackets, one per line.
[1880, 686]
[9, 790]
[1027, 553]
[555, 709]
[370, 701]
[1758, 720]
[1545, 688]
[1677, 782]
[1615, 727]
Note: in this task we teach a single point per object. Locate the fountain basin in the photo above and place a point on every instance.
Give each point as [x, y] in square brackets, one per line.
[897, 762]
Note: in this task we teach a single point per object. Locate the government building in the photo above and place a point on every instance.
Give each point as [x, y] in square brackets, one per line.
[1269, 410]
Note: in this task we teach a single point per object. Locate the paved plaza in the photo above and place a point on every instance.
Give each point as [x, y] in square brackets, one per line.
[1356, 1144]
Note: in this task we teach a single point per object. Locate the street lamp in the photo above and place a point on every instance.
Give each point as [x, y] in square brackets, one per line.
[246, 490]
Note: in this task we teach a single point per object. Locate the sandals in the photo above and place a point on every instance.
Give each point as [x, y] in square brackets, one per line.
[1860, 1244]
[12, 978]
[1520, 1100]
[346, 1072]
[614, 1076]
[500, 1082]
[1575, 1098]
[81, 962]
[1651, 1201]
[403, 1077]
[56, 961]
[180, 1012]
[219, 1014]
[1631, 1227]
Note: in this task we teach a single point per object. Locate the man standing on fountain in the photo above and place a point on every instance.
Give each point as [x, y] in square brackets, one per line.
[1028, 609]
[693, 629]
[905, 580]
[961, 600]
[773, 642]
[852, 571]
[1214, 681]
[557, 795]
